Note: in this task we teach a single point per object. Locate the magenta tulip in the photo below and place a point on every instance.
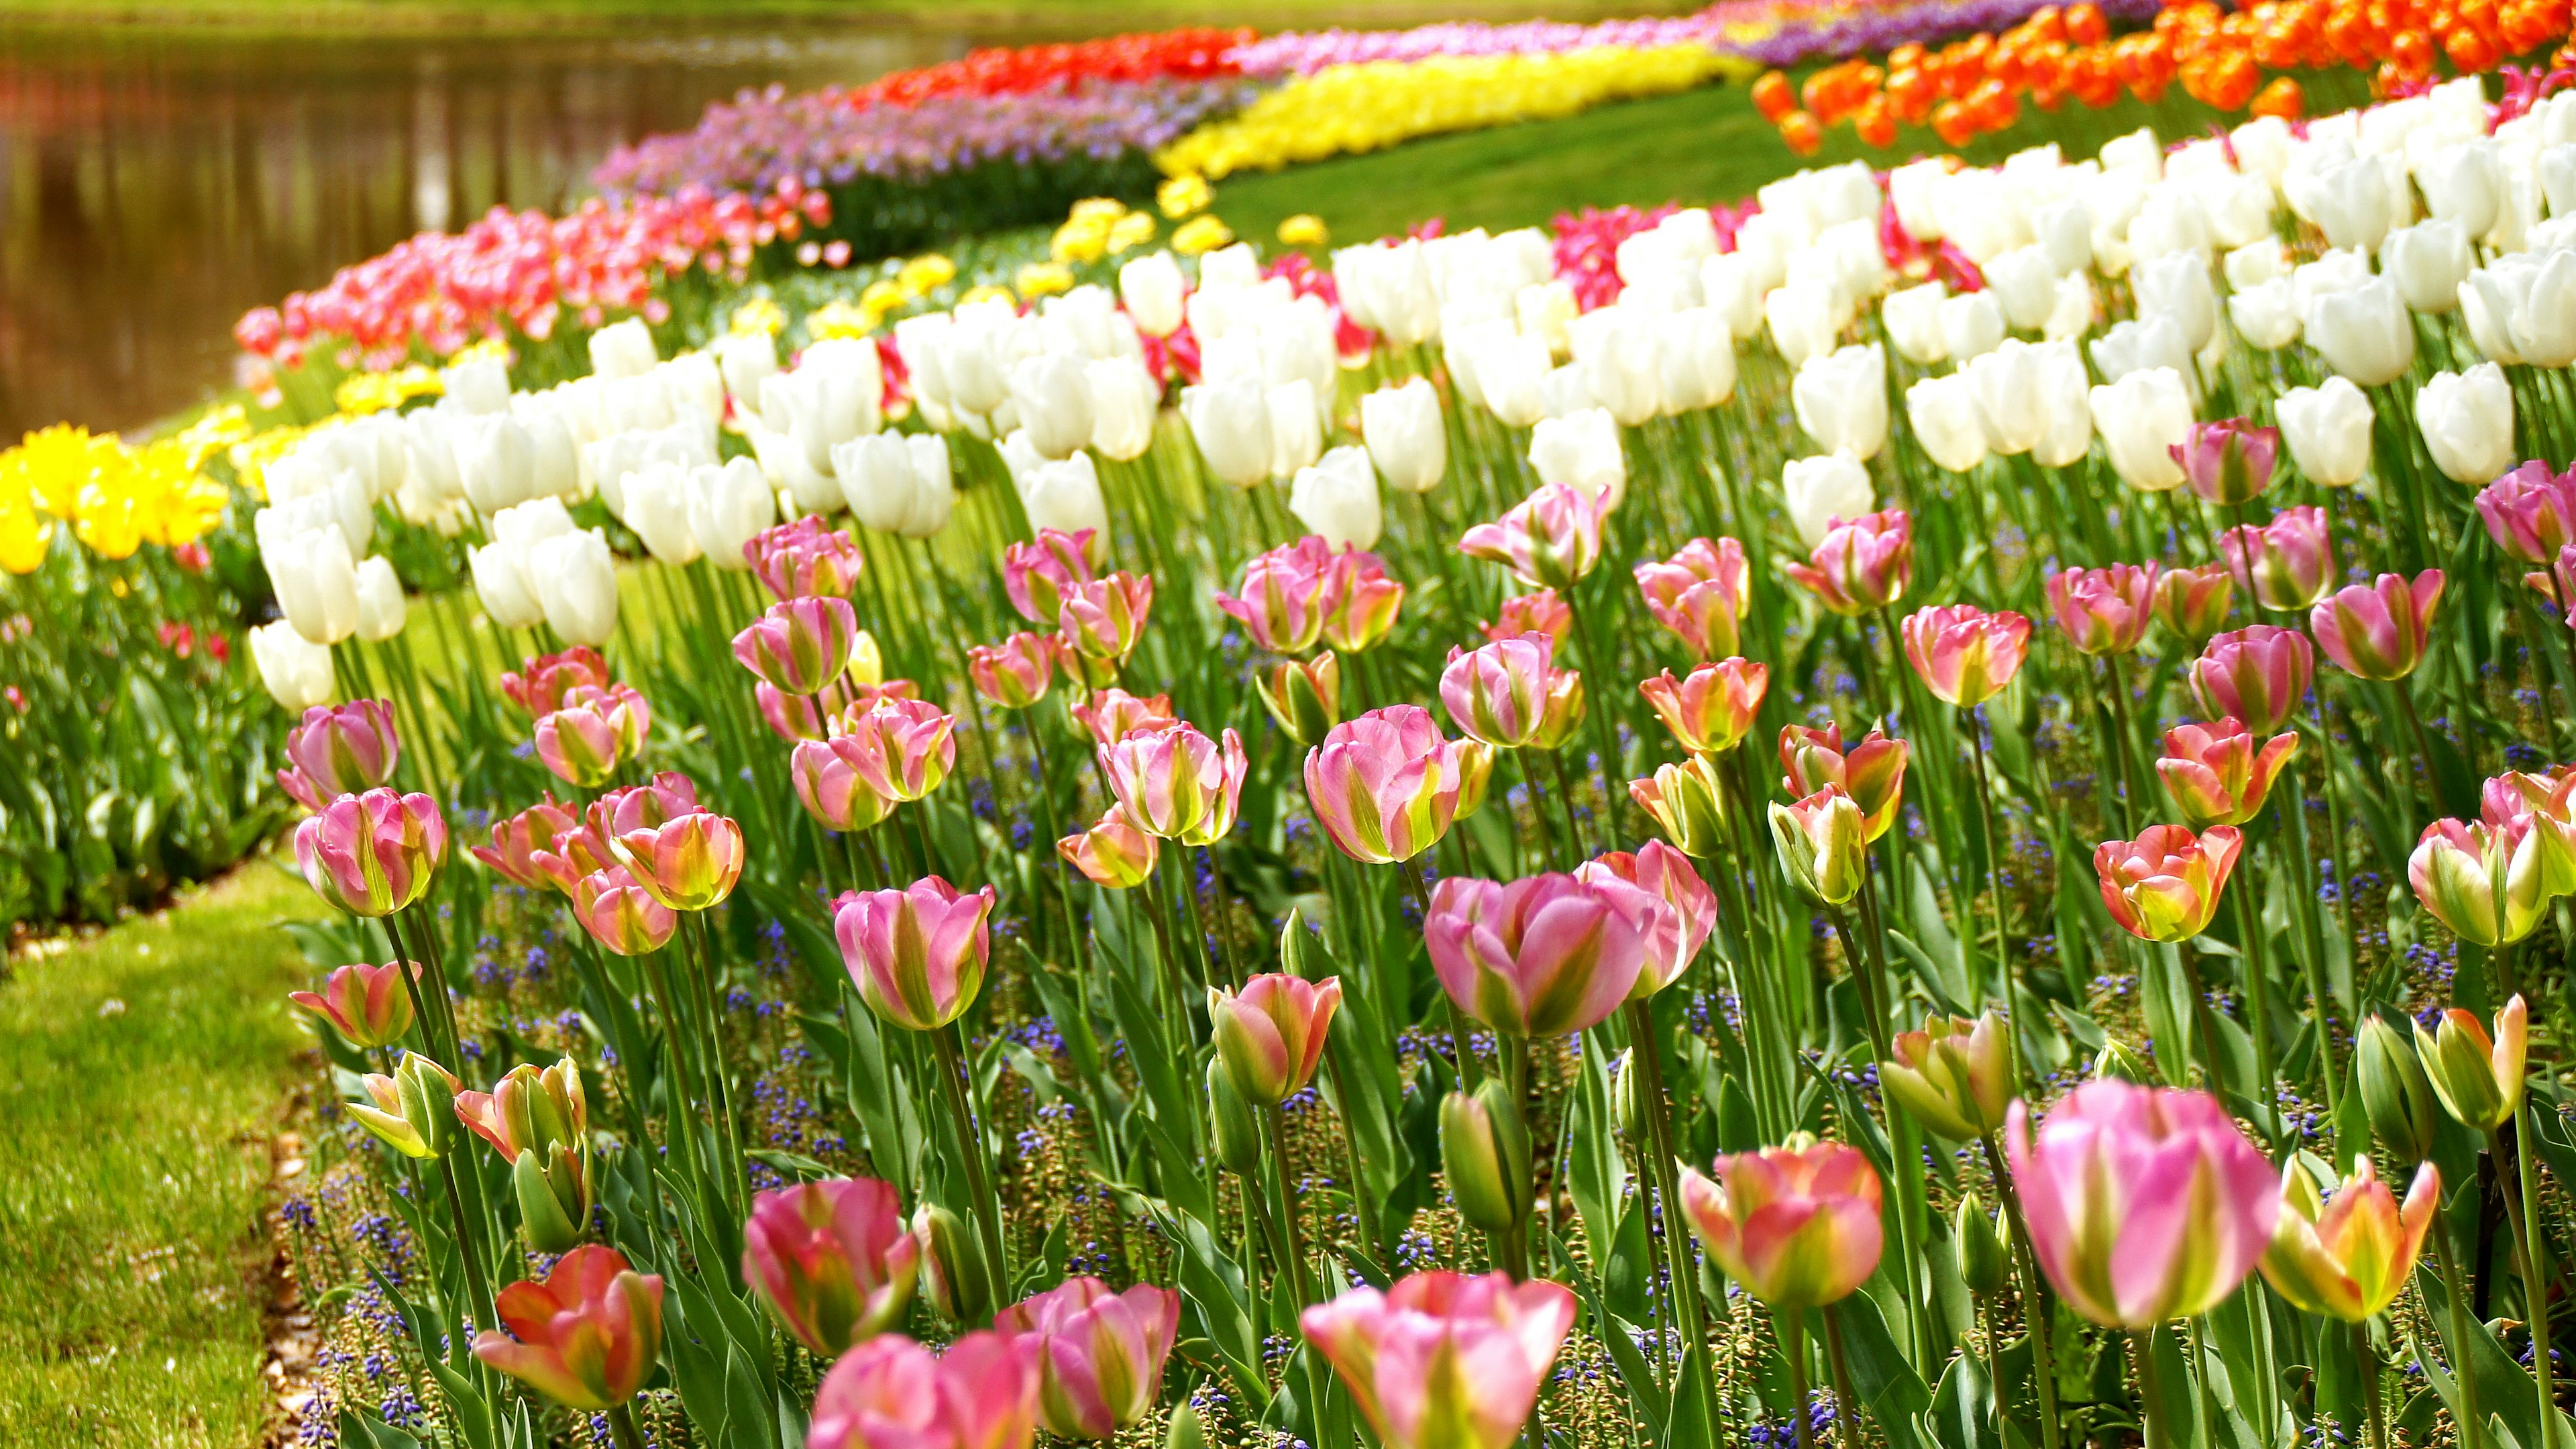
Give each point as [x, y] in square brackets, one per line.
[2531, 512]
[917, 954]
[1712, 710]
[2229, 461]
[1963, 654]
[2378, 630]
[806, 559]
[1014, 673]
[592, 733]
[801, 645]
[1442, 1360]
[1101, 620]
[1109, 715]
[1511, 693]
[367, 1005]
[2104, 611]
[792, 717]
[1699, 595]
[587, 1337]
[2192, 602]
[1271, 1034]
[2257, 674]
[620, 915]
[1386, 786]
[666, 797]
[1872, 772]
[1036, 576]
[1543, 612]
[372, 854]
[517, 839]
[1550, 541]
[833, 1258]
[543, 684]
[1112, 853]
[1544, 955]
[892, 1393]
[1176, 783]
[905, 747]
[1862, 564]
[343, 749]
[1796, 1224]
[1365, 602]
[1690, 908]
[1286, 596]
[689, 863]
[2289, 562]
[1099, 1354]
[831, 778]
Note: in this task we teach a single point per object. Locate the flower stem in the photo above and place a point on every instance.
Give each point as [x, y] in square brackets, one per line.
[466, 1234]
[621, 1425]
[1645, 1060]
[970, 1134]
[2525, 1213]
[2150, 1393]
[1846, 1407]
[2368, 1363]
[2036, 1313]
[2473, 1432]
[1793, 1331]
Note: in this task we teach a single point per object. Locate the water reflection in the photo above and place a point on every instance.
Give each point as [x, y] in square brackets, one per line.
[153, 186]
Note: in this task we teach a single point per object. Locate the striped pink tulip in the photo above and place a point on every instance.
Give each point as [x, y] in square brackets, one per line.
[1099, 1353]
[1014, 673]
[576, 851]
[892, 1393]
[689, 863]
[1690, 908]
[1509, 693]
[2229, 461]
[1364, 602]
[587, 1337]
[372, 854]
[1286, 596]
[2257, 674]
[2348, 1259]
[1036, 576]
[1872, 772]
[1862, 564]
[1176, 783]
[906, 747]
[1711, 710]
[1102, 619]
[1110, 714]
[1550, 541]
[1442, 1360]
[805, 559]
[833, 1258]
[1963, 654]
[2289, 561]
[545, 683]
[792, 717]
[620, 915]
[2378, 630]
[1271, 1034]
[594, 732]
[1112, 853]
[1699, 595]
[1542, 612]
[2216, 773]
[917, 954]
[518, 839]
[1385, 786]
[1796, 1224]
[1544, 955]
[667, 796]
[344, 748]
[2103, 611]
[2192, 602]
[2164, 886]
[2531, 512]
[800, 645]
[367, 1005]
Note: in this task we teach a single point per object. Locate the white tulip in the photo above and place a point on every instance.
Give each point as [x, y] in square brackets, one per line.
[296, 671]
[2176, 285]
[2114, 198]
[496, 461]
[1234, 266]
[1762, 247]
[1732, 285]
[784, 466]
[2063, 232]
[1910, 188]
[2170, 221]
[1562, 393]
[554, 460]
[1391, 284]
[506, 594]
[2348, 200]
[1694, 360]
[2327, 429]
[381, 606]
[1806, 318]
[1151, 288]
[728, 507]
[2523, 308]
[745, 362]
[2238, 209]
[2137, 151]
[899, 482]
[1852, 252]
[1546, 310]
[1943, 411]
[2556, 172]
[2063, 393]
[1406, 435]
[1052, 394]
[2004, 385]
[1972, 324]
[2465, 184]
[2335, 271]
[1086, 320]
[2427, 261]
[2070, 315]
[1296, 433]
[983, 340]
[2151, 341]
[1125, 400]
[819, 405]
[1819, 490]
[2140, 418]
[2467, 421]
[2265, 314]
[1336, 497]
[1912, 317]
[1615, 348]
[2255, 263]
[657, 508]
[1466, 339]
[1841, 399]
[1065, 496]
[694, 384]
[576, 581]
[2364, 333]
[480, 388]
[2262, 147]
[634, 404]
[316, 582]
[2022, 283]
[1512, 370]
[623, 349]
[1581, 449]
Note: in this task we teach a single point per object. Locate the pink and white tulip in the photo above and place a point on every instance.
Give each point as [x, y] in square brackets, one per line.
[1544, 955]
[892, 1393]
[2164, 886]
[372, 854]
[1796, 1224]
[1511, 693]
[2104, 611]
[1271, 1034]
[2379, 630]
[1385, 786]
[1699, 595]
[2217, 775]
[1099, 1353]
[2288, 561]
[917, 954]
[1550, 540]
[833, 1258]
[1442, 1360]
[2257, 674]
[1964, 654]
[1175, 783]
[1014, 673]
[1711, 710]
[800, 645]
[1037, 576]
[1862, 564]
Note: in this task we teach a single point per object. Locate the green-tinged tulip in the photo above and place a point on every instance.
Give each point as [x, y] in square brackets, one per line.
[1304, 697]
[2478, 1078]
[1302, 952]
[2395, 1092]
[953, 1274]
[1824, 845]
[1485, 1153]
[2348, 1259]
[1624, 1105]
[1687, 801]
[1979, 1246]
[540, 1124]
[2117, 1060]
[1955, 1075]
[415, 1108]
[548, 1192]
[1238, 1136]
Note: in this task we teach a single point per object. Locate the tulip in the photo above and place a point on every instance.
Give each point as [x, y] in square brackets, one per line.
[1686, 801]
[1872, 772]
[1150, 288]
[2103, 611]
[1051, 393]
[2006, 384]
[1111, 853]
[1823, 845]
[1304, 697]
[1581, 450]
[800, 645]
[1543, 612]
[1699, 595]
[2328, 431]
[896, 483]
[2142, 418]
[1709, 712]
[594, 732]
[2457, 868]
[807, 559]
[315, 578]
[833, 780]
[1110, 714]
[545, 683]
[906, 747]
[2378, 630]
[2192, 602]
[1271, 1034]
[2176, 285]
[1862, 565]
[1442, 1360]
[892, 1393]
[2467, 420]
[539, 1123]
[1943, 411]
[833, 1259]
[2427, 261]
[1955, 1075]
[2364, 332]
[1551, 540]
[577, 850]
[1616, 354]
[1542, 956]
[1099, 1354]
[2530, 512]
[381, 607]
[689, 863]
[2164, 886]
[1230, 421]
[1694, 359]
[2149, 343]
[372, 854]
[297, 674]
[2229, 461]
[1365, 604]
[917, 954]
[1510, 693]
[2290, 560]
[1912, 316]
[1037, 576]
[1125, 400]
[1405, 436]
[1963, 654]
[587, 1337]
[1102, 620]
[1014, 673]
[1065, 497]
[413, 1111]
[1385, 786]
[954, 1277]
[576, 584]
[1485, 1157]
[1796, 1225]
[1823, 492]
[2394, 1091]
[345, 749]
[2349, 1259]
[1840, 398]
[1337, 498]
[1690, 908]
[2217, 776]
[1177, 784]
[2479, 1078]
[621, 915]
[2256, 674]
[1286, 595]
[2142, 1206]
[1977, 1243]
[365, 1004]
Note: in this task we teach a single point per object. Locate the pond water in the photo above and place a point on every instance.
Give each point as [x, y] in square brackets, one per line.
[155, 184]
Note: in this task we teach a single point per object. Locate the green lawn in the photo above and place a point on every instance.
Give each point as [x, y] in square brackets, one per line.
[142, 1080]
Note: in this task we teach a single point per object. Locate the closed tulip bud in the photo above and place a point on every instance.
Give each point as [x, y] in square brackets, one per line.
[2467, 421]
[346, 748]
[1236, 1131]
[2193, 602]
[2289, 560]
[1099, 1353]
[800, 645]
[1386, 786]
[2142, 418]
[1823, 845]
[1979, 1246]
[806, 559]
[1955, 1075]
[688, 863]
[1509, 693]
[1014, 673]
[621, 915]
[538, 1122]
[1303, 696]
[2328, 431]
[1626, 1108]
[1872, 772]
[917, 954]
[2395, 1092]
[1271, 1035]
[587, 1337]
[833, 1259]
[2364, 332]
[2348, 1259]
[1405, 437]
[1840, 399]
[414, 1110]
[367, 1005]
[1541, 956]
[1175, 783]
[1943, 411]
[1687, 803]
[953, 1273]
[1365, 602]
[2530, 512]
[1797, 1225]
[2459, 867]
[2256, 674]
[2117, 1060]
[1699, 595]
[2229, 461]
[2103, 611]
[1336, 496]
[372, 854]
[2216, 774]
[2378, 630]
[1712, 710]
[1862, 565]
[1485, 1156]
[1037, 576]
[2164, 886]
[1963, 654]
[1551, 540]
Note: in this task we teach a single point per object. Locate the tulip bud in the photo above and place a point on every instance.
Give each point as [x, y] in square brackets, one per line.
[1955, 1075]
[953, 1274]
[1823, 844]
[2117, 1061]
[1686, 800]
[1271, 1035]
[2378, 630]
[414, 1110]
[2395, 1092]
[1112, 853]
[1485, 1155]
[539, 1123]
[1627, 1106]
[1305, 697]
[1979, 1246]
[2191, 603]
[2228, 461]
[2478, 1079]
[367, 1005]
[2350, 1259]
[1230, 1121]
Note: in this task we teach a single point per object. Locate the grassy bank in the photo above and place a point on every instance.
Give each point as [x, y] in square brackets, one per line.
[995, 22]
[142, 1075]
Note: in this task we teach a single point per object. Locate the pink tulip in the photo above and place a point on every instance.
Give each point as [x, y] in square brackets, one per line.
[343, 749]
[367, 1005]
[1544, 955]
[2531, 512]
[792, 717]
[1862, 565]
[1286, 596]
[831, 781]
[1036, 576]
[906, 747]
[592, 733]
[1112, 853]
[1796, 1224]
[1872, 772]
[892, 1393]
[1099, 1354]
[576, 851]
[1543, 612]
[372, 854]
[2192, 602]
[2548, 801]
[1014, 673]
[2229, 461]
[2143, 1205]
[1442, 1360]
[620, 915]
[2257, 674]
[1963, 654]
[1365, 602]
[587, 1337]
[2217, 776]
[667, 796]
[801, 645]
[1176, 783]
[1271, 1034]
[1509, 693]
[833, 1258]
[2164, 885]
[806, 559]
[1712, 710]
[2290, 560]
[517, 839]
[2103, 611]
[1386, 786]
[1102, 620]
[1699, 595]
[1690, 908]
[541, 685]
[2558, 583]
[689, 863]
[1551, 540]
[2378, 630]
[1109, 715]
[917, 954]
